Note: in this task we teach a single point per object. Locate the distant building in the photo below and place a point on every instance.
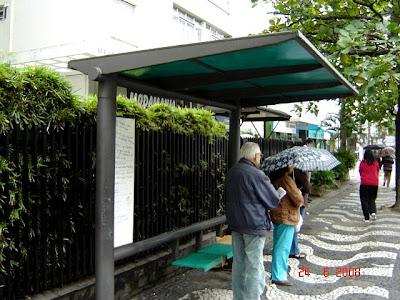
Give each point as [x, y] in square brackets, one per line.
[390, 141]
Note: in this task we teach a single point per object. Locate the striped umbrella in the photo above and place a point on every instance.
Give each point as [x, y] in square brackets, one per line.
[306, 159]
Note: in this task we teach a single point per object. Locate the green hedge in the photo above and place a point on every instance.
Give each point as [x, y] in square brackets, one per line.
[163, 117]
[41, 95]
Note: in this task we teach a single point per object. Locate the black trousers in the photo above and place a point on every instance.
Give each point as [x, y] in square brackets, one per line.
[368, 194]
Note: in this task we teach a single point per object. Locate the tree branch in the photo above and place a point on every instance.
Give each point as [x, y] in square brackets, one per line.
[369, 53]
[370, 6]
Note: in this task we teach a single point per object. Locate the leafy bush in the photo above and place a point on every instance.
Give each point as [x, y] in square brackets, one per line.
[348, 162]
[161, 116]
[42, 96]
[35, 94]
[324, 178]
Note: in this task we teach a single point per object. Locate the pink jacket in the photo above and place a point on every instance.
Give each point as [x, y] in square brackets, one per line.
[369, 173]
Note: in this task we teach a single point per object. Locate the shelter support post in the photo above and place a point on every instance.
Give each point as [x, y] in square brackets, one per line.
[105, 169]
[234, 136]
[220, 230]
[199, 240]
[174, 249]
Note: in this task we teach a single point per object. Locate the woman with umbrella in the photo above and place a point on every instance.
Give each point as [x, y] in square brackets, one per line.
[387, 162]
[284, 217]
[287, 214]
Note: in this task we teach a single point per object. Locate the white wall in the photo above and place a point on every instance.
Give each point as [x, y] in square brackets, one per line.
[152, 25]
[5, 30]
[80, 84]
[45, 23]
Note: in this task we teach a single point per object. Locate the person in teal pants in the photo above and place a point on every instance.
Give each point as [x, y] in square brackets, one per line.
[284, 217]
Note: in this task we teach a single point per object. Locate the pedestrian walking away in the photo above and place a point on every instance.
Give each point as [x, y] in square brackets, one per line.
[387, 163]
[369, 174]
[250, 196]
[284, 217]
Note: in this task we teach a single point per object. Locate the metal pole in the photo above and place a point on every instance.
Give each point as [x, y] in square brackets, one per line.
[234, 136]
[105, 163]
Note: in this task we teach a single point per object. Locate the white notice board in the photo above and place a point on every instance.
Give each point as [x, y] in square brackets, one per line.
[124, 181]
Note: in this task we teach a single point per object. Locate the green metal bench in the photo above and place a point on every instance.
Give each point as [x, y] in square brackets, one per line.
[206, 258]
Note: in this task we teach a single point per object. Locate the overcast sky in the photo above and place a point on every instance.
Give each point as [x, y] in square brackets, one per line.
[325, 107]
[255, 20]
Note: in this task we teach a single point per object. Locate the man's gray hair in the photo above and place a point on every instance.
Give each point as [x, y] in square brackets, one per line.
[249, 150]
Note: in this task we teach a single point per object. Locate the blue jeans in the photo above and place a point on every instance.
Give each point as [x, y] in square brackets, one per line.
[248, 272]
[282, 241]
[295, 244]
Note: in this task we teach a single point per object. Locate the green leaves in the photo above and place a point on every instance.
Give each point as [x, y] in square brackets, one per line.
[185, 120]
[351, 71]
[42, 96]
[35, 94]
[362, 41]
[161, 116]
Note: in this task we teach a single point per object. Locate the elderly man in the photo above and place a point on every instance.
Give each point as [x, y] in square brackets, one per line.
[250, 195]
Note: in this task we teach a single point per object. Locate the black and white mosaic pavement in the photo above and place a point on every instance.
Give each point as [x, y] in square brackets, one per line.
[346, 258]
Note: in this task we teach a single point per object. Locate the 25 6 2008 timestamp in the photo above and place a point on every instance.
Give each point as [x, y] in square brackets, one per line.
[338, 272]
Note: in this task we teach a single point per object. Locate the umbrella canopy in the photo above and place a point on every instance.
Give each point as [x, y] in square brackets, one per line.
[387, 151]
[373, 147]
[306, 159]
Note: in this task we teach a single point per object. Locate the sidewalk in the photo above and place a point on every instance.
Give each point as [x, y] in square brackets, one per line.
[346, 258]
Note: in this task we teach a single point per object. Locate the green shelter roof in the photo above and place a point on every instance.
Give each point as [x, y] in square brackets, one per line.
[247, 72]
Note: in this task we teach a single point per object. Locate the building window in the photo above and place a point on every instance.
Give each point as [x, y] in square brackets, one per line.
[214, 34]
[195, 29]
[189, 26]
[3, 12]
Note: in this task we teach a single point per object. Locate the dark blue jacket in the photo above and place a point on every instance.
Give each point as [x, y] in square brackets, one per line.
[249, 197]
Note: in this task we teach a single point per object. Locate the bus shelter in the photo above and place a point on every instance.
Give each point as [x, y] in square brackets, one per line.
[232, 74]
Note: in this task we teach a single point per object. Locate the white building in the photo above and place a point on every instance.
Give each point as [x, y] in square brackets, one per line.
[52, 32]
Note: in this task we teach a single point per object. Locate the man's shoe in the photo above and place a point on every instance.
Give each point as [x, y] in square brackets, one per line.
[285, 283]
[373, 216]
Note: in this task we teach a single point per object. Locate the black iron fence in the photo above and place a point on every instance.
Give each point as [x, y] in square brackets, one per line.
[47, 208]
[49, 241]
[178, 182]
